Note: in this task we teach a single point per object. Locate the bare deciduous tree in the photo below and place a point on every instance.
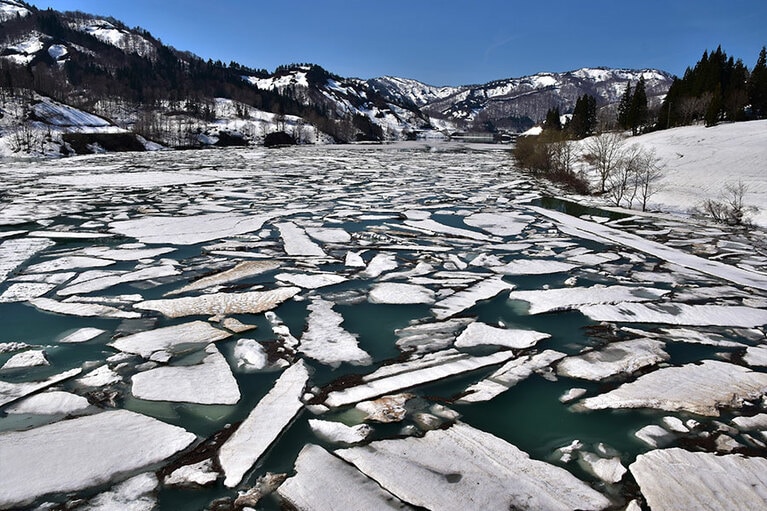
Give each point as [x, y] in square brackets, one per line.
[605, 152]
[731, 207]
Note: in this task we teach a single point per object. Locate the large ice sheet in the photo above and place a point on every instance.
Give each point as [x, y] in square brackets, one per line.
[296, 242]
[82, 453]
[623, 357]
[462, 300]
[10, 392]
[14, 252]
[82, 309]
[547, 300]
[674, 479]
[506, 223]
[464, 468]
[696, 388]
[263, 425]
[152, 272]
[678, 314]
[223, 304]
[173, 339]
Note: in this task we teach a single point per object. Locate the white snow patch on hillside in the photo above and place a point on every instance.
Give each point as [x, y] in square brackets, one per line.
[10, 10]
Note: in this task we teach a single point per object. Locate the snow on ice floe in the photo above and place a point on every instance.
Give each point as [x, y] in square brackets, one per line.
[339, 433]
[463, 468]
[329, 234]
[14, 252]
[429, 368]
[756, 356]
[426, 337]
[623, 357]
[174, 339]
[118, 442]
[196, 474]
[380, 263]
[508, 375]
[433, 227]
[311, 280]
[263, 425]
[68, 263]
[696, 388]
[533, 267]
[135, 494]
[548, 300]
[400, 293]
[10, 392]
[98, 284]
[678, 314]
[672, 479]
[323, 481]
[31, 358]
[81, 335]
[240, 271]
[209, 382]
[25, 291]
[326, 342]
[82, 309]
[296, 242]
[54, 402]
[222, 304]
[481, 334]
[508, 223]
[462, 300]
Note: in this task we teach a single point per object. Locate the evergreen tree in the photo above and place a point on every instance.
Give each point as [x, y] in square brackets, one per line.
[553, 120]
[714, 110]
[624, 108]
[584, 121]
[757, 86]
[638, 111]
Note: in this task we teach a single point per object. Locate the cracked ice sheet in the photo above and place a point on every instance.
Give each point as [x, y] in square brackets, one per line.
[25, 291]
[602, 233]
[13, 253]
[210, 382]
[82, 309]
[10, 392]
[569, 298]
[325, 482]
[696, 388]
[678, 314]
[464, 468]
[500, 224]
[623, 357]
[296, 241]
[673, 479]
[462, 300]
[98, 284]
[429, 368]
[82, 453]
[263, 425]
[326, 342]
[226, 304]
[173, 339]
[432, 226]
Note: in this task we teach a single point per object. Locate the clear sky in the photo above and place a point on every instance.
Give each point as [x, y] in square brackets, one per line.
[447, 42]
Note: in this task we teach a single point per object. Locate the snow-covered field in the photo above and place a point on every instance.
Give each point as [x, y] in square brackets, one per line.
[398, 326]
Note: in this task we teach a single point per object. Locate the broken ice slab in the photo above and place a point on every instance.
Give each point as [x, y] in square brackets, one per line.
[135, 494]
[673, 479]
[756, 356]
[400, 293]
[296, 242]
[696, 388]
[311, 280]
[678, 314]
[326, 342]
[264, 424]
[13, 253]
[10, 392]
[381, 263]
[433, 227]
[462, 300]
[97, 284]
[173, 339]
[242, 270]
[533, 267]
[507, 223]
[81, 335]
[224, 304]
[329, 234]
[209, 383]
[82, 309]
[609, 470]
[623, 357]
[126, 252]
[25, 291]
[426, 337]
[547, 300]
[68, 263]
[462, 468]
[324, 482]
[508, 375]
[339, 433]
[481, 334]
[82, 453]
[54, 402]
[69, 235]
[429, 368]
[697, 337]
[31, 358]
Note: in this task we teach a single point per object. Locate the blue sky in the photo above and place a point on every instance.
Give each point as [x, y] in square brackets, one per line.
[447, 42]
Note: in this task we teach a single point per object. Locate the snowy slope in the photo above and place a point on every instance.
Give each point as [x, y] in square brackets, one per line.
[10, 9]
[107, 32]
[699, 161]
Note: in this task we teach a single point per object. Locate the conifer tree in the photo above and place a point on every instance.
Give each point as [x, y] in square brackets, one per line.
[584, 119]
[757, 86]
[624, 108]
[638, 111]
[553, 120]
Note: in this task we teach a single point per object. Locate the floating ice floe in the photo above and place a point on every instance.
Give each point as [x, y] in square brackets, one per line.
[153, 272]
[82, 309]
[698, 337]
[31, 358]
[10, 392]
[196, 474]
[756, 356]
[323, 481]
[533, 267]
[609, 470]
[250, 355]
[127, 252]
[463, 468]
[433, 227]
[508, 375]
[81, 335]
[548, 300]
[210, 382]
[338, 433]
[697, 388]
[54, 402]
[25, 291]
[354, 260]
[100, 377]
[507, 223]
[379, 264]
[673, 479]
[655, 436]
[70, 235]
[263, 425]
[462, 300]
[72, 464]
[385, 409]
[481, 334]
[173, 339]
[242, 270]
[678, 314]
[329, 234]
[135, 494]
[325, 340]
[13, 253]
[399, 293]
[623, 357]
[225, 304]
[69, 263]
[429, 368]
[311, 280]
[296, 242]
[426, 337]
